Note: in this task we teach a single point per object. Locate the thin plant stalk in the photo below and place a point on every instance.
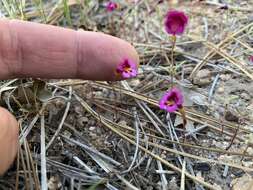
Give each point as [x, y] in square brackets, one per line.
[174, 38]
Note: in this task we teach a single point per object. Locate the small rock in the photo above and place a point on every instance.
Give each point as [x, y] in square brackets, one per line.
[245, 96]
[250, 150]
[54, 183]
[173, 184]
[134, 82]
[229, 116]
[82, 121]
[163, 156]
[123, 123]
[67, 133]
[78, 110]
[93, 135]
[105, 91]
[220, 90]
[247, 164]
[217, 187]
[225, 77]
[92, 128]
[199, 175]
[188, 70]
[204, 73]
[85, 119]
[92, 122]
[98, 94]
[243, 183]
[59, 103]
[202, 166]
[203, 77]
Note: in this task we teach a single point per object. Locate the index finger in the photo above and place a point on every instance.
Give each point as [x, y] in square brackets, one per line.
[43, 51]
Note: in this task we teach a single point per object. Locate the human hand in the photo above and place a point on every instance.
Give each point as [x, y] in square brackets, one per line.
[43, 51]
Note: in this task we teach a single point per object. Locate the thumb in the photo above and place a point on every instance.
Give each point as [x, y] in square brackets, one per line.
[8, 139]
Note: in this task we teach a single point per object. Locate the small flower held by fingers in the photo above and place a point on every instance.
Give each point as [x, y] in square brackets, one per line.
[172, 100]
[111, 6]
[127, 69]
[175, 22]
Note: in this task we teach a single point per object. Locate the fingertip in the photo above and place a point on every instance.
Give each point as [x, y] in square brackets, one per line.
[8, 139]
[126, 52]
[101, 58]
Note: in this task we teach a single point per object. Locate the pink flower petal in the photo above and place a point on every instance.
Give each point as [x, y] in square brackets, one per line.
[251, 58]
[111, 6]
[172, 108]
[127, 69]
[175, 22]
[172, 100]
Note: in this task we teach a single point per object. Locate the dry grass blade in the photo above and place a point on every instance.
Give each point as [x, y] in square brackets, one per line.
[232, 60]
[182, 184]
[137, 137]
[27, 129]
[43, 155]
[18, 168]
[102, 161]
[62, 120]
[180, 152]
[91, 111]
[199, 118]
[220, 45]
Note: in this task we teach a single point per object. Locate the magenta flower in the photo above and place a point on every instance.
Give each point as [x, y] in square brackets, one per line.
[172, 100]
[111, 6]
[175, 22]
[251, 58]
[127, 69]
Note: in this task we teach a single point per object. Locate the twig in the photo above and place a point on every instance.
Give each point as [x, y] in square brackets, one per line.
[211, 91]
[27, 129]
[182, 184]
[233, 138]
[206, 28]
[163, 177]
[43, 155]
[91, 111]
[136, 124]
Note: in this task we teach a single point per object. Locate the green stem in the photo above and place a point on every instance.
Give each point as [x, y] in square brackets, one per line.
[174, 38]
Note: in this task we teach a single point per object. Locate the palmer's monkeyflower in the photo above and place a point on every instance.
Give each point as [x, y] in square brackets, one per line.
[111, 6]
[175, 22]
[172, 100]
[127, 69]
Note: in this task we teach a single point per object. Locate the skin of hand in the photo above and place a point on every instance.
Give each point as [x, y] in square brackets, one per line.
[42, 51]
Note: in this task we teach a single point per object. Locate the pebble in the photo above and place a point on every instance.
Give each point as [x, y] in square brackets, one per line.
[229, 116]
[225, 77]
[78, 110]
[98, 94]
[67, 133]
[245, 96]
[202, 166]
[203, 77]
[220, 90]
[134, 82]
[92, 128]
[92, 122]
[243, 183]
[82, 121]
[188, 70]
